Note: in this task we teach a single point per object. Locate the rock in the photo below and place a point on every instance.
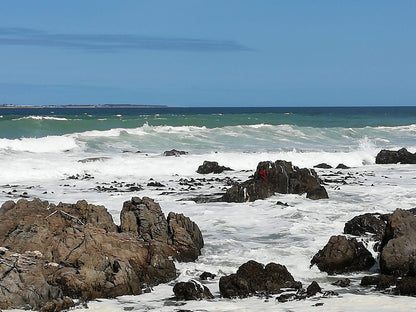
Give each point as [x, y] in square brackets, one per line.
[77, 251]
[380, 281]
[398, 254]
[191, 290]
[252, 277]
[185, 236]
[341, 255]
[373, 223]
[402, 156]
[323, 166]
[174, 152]
[155, 184]
[277, 177]
[342, 166]
[211, 167]
[345, 282]
[206, 276]
[406, 286]
[313, 289]
[58, 305]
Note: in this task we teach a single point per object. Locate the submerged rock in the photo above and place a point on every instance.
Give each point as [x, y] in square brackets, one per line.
[253, 277]
[191, 290]
[277, 177]
[174, 152]
[79, 252]
[323, 166]
[342, 255]
[211, 167]
[402, 156]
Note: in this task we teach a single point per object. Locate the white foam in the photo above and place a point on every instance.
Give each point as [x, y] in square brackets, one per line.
[48, 144]
[42, 118]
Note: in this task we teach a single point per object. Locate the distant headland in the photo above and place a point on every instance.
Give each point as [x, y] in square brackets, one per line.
[84, 106]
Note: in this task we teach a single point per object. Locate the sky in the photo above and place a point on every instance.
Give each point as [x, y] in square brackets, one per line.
[208, 53]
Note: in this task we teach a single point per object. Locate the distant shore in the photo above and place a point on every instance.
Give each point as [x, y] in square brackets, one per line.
[11, 106]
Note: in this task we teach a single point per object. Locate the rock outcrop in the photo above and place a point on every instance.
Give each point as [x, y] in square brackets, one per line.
[402, 156]
[341, 255]
[211, 167]
[398, 254]
[77, 250]
[277, 177]
[192, 290]
[255, 278]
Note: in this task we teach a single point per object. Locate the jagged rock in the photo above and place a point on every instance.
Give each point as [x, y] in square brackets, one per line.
[323, 166]
[211, 167]
[380, 281]
[277, 177]
[313, 289]
[191, 290]
[402, 156]
[174, 152]
[82, 254]
[342, 255]
[155, 184]
[398, 254]
[58, 305]
[252, 277]
[186, 237]
[206, 276]
[373, 223]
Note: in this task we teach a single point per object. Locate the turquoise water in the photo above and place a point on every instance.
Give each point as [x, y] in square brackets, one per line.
[40, 122]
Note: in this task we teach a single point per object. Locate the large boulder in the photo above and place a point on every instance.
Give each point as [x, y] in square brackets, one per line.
[277, 177]
[341, 255]
[253, 278]
[402, 156]
[211, 167]
[86, 255]
[398, 255]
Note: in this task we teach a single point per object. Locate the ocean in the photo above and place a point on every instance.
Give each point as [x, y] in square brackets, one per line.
[68, 154]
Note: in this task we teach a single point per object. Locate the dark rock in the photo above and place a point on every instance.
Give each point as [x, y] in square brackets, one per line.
[373, 223]
[58, 305]
[406, 286]
[277, 177]
[191, 290]
[279, 203]
[398, 255]
[211, 167]
[323, 166]
[342, 255]
[313, 289]
[174, 152]
[77, 251]
[402, 156]
[155, 184]
[252, 277]
[370, 280]
[206, 276]
[342, 166]
[185, 236]
[345, 282]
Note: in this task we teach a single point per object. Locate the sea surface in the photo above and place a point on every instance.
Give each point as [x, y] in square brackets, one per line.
[68, 154]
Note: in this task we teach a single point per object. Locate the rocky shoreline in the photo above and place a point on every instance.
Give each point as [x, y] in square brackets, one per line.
[53, 257]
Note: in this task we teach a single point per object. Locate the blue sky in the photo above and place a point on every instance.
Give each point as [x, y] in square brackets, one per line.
[208, 53]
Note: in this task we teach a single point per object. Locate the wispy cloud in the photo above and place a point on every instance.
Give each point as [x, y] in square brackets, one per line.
[113, 43]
